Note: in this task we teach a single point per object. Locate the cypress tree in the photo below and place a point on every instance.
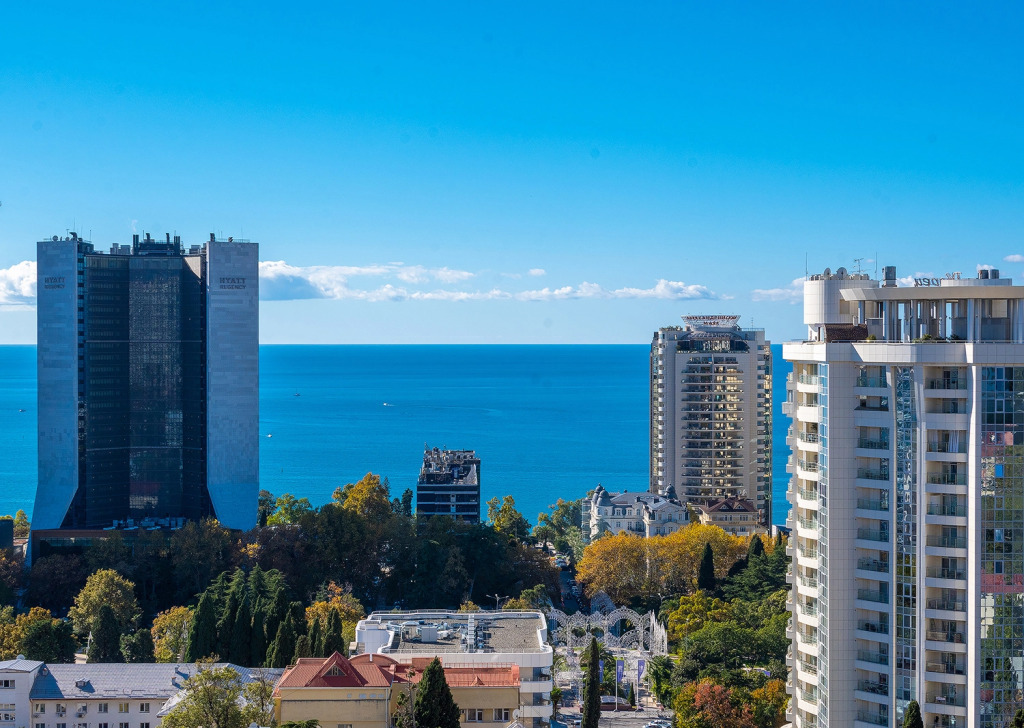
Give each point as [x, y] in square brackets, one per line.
[435, 706]
[316, 639]
[202, 633]
[334, 635]
[756, 548]
[592, 688]
[275, 612]
[282, 649]
[706, 572]
[241, 636]
[302, 647]
[1018, 719]
[226, 622]
[258, 649]
[912, 717]
[106, 637]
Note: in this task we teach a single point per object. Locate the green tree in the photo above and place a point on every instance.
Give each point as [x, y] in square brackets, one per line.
[105, 588]
[282, 649]
[556, 698]
[258, 695]
[706, 571]
[289, 510]
[170, 634]
[106, 637]
[316, 639]
[265, 506]
[912, 716]
[302, 648]
[258, 646]
[21, 524]
[1018, 719]
[435, 706]
[334, 634]
[660, 670]
[592, 688]
[241, 635]
[138, 647]
[49, 640]
[506, 520]
[211, 699]
[756, 547]
[202, 635]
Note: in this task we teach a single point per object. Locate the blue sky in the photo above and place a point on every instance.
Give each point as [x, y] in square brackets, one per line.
[528, 172]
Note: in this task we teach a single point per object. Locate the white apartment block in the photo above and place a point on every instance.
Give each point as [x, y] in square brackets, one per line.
[711, 411]
[643, 514]
[908, 502]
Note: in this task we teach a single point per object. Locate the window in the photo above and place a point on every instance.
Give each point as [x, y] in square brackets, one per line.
[143, 725]
[122, 707]
[344, 725]
[102, 707]
[501, 714]
[61, 709]
[474, 715]
[122, 725]
[40, 708]
[102, 725]
[7, 684]
[62, 725]
[7, 712]
[143, 707]
[40, 725]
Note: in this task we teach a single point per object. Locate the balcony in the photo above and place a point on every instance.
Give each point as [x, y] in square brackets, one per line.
[945, 668]
[947, 605]
[876, 565]
[960, 447]
[870, 595]
[873, 444]
[939, 572]
[946, 384]
[807, 667]
[866, 381]
[947, 478]
[810, 466]
[876, 658]
[949, 636]
[811, 610]
[946, 542]
[873, 718]
[870, 534]
[869, 474]
[811, 523]
[811, 437]
[875, 627]
[948, 699]
[875, 688]
[808, 379]
[872, 505]
[946, 509]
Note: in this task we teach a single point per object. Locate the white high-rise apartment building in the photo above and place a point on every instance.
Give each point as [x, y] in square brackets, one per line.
[711, 411]
[908, 501]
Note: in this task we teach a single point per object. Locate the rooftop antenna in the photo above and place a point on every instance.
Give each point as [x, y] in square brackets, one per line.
[806, 275]
[857, 267]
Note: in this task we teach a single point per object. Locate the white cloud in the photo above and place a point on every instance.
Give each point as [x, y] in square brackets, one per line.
[18, 285]
[909, 280]
[984, 266]
[1015, 258]
[537, 272]
[793, 293]
[280, 281]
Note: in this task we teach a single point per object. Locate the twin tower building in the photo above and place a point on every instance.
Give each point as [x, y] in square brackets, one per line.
[148, 380]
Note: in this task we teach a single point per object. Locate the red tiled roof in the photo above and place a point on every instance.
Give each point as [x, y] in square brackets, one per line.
[337, 672]
[495, 675]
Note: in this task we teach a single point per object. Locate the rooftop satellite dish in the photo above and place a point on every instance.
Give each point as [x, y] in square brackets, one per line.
[841, 272]
[828, 271]
[55, 238]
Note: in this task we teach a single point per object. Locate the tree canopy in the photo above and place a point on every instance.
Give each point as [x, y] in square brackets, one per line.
[435, 706]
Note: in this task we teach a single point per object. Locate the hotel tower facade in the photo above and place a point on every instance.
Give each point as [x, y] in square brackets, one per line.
[907, 404]
[711, 413]
[148, 370]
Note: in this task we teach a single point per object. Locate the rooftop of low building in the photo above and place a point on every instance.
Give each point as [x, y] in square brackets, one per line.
[435, 632]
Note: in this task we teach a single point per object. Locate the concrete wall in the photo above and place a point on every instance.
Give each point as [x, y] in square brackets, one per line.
[57, 368]
[232, 376]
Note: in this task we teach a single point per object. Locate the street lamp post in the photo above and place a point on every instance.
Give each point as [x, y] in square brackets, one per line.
[497, 600]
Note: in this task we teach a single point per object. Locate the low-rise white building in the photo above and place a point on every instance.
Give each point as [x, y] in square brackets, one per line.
[466, 639]
[35, 694]
[642, 513]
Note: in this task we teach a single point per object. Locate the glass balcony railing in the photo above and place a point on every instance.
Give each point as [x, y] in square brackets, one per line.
[947, 447]
[946, 542]
[811, 437]
[948, 699]
[947, 478]
[946, 383]
[945, 668]
[876, 565]
[875, 688]
[866, 381]
[872, 505]
[873, 444]
[870, 534]
[876, 627]
[873, 718]
[869, 474]
[876, 658]
[946, 509]
[950, 636]
[947, 605]
[870, 595]
[939, 572]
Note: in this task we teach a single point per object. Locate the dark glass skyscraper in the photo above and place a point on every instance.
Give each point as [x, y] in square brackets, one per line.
[148, 383]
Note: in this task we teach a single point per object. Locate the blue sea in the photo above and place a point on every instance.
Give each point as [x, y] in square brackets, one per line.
[548, 422]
